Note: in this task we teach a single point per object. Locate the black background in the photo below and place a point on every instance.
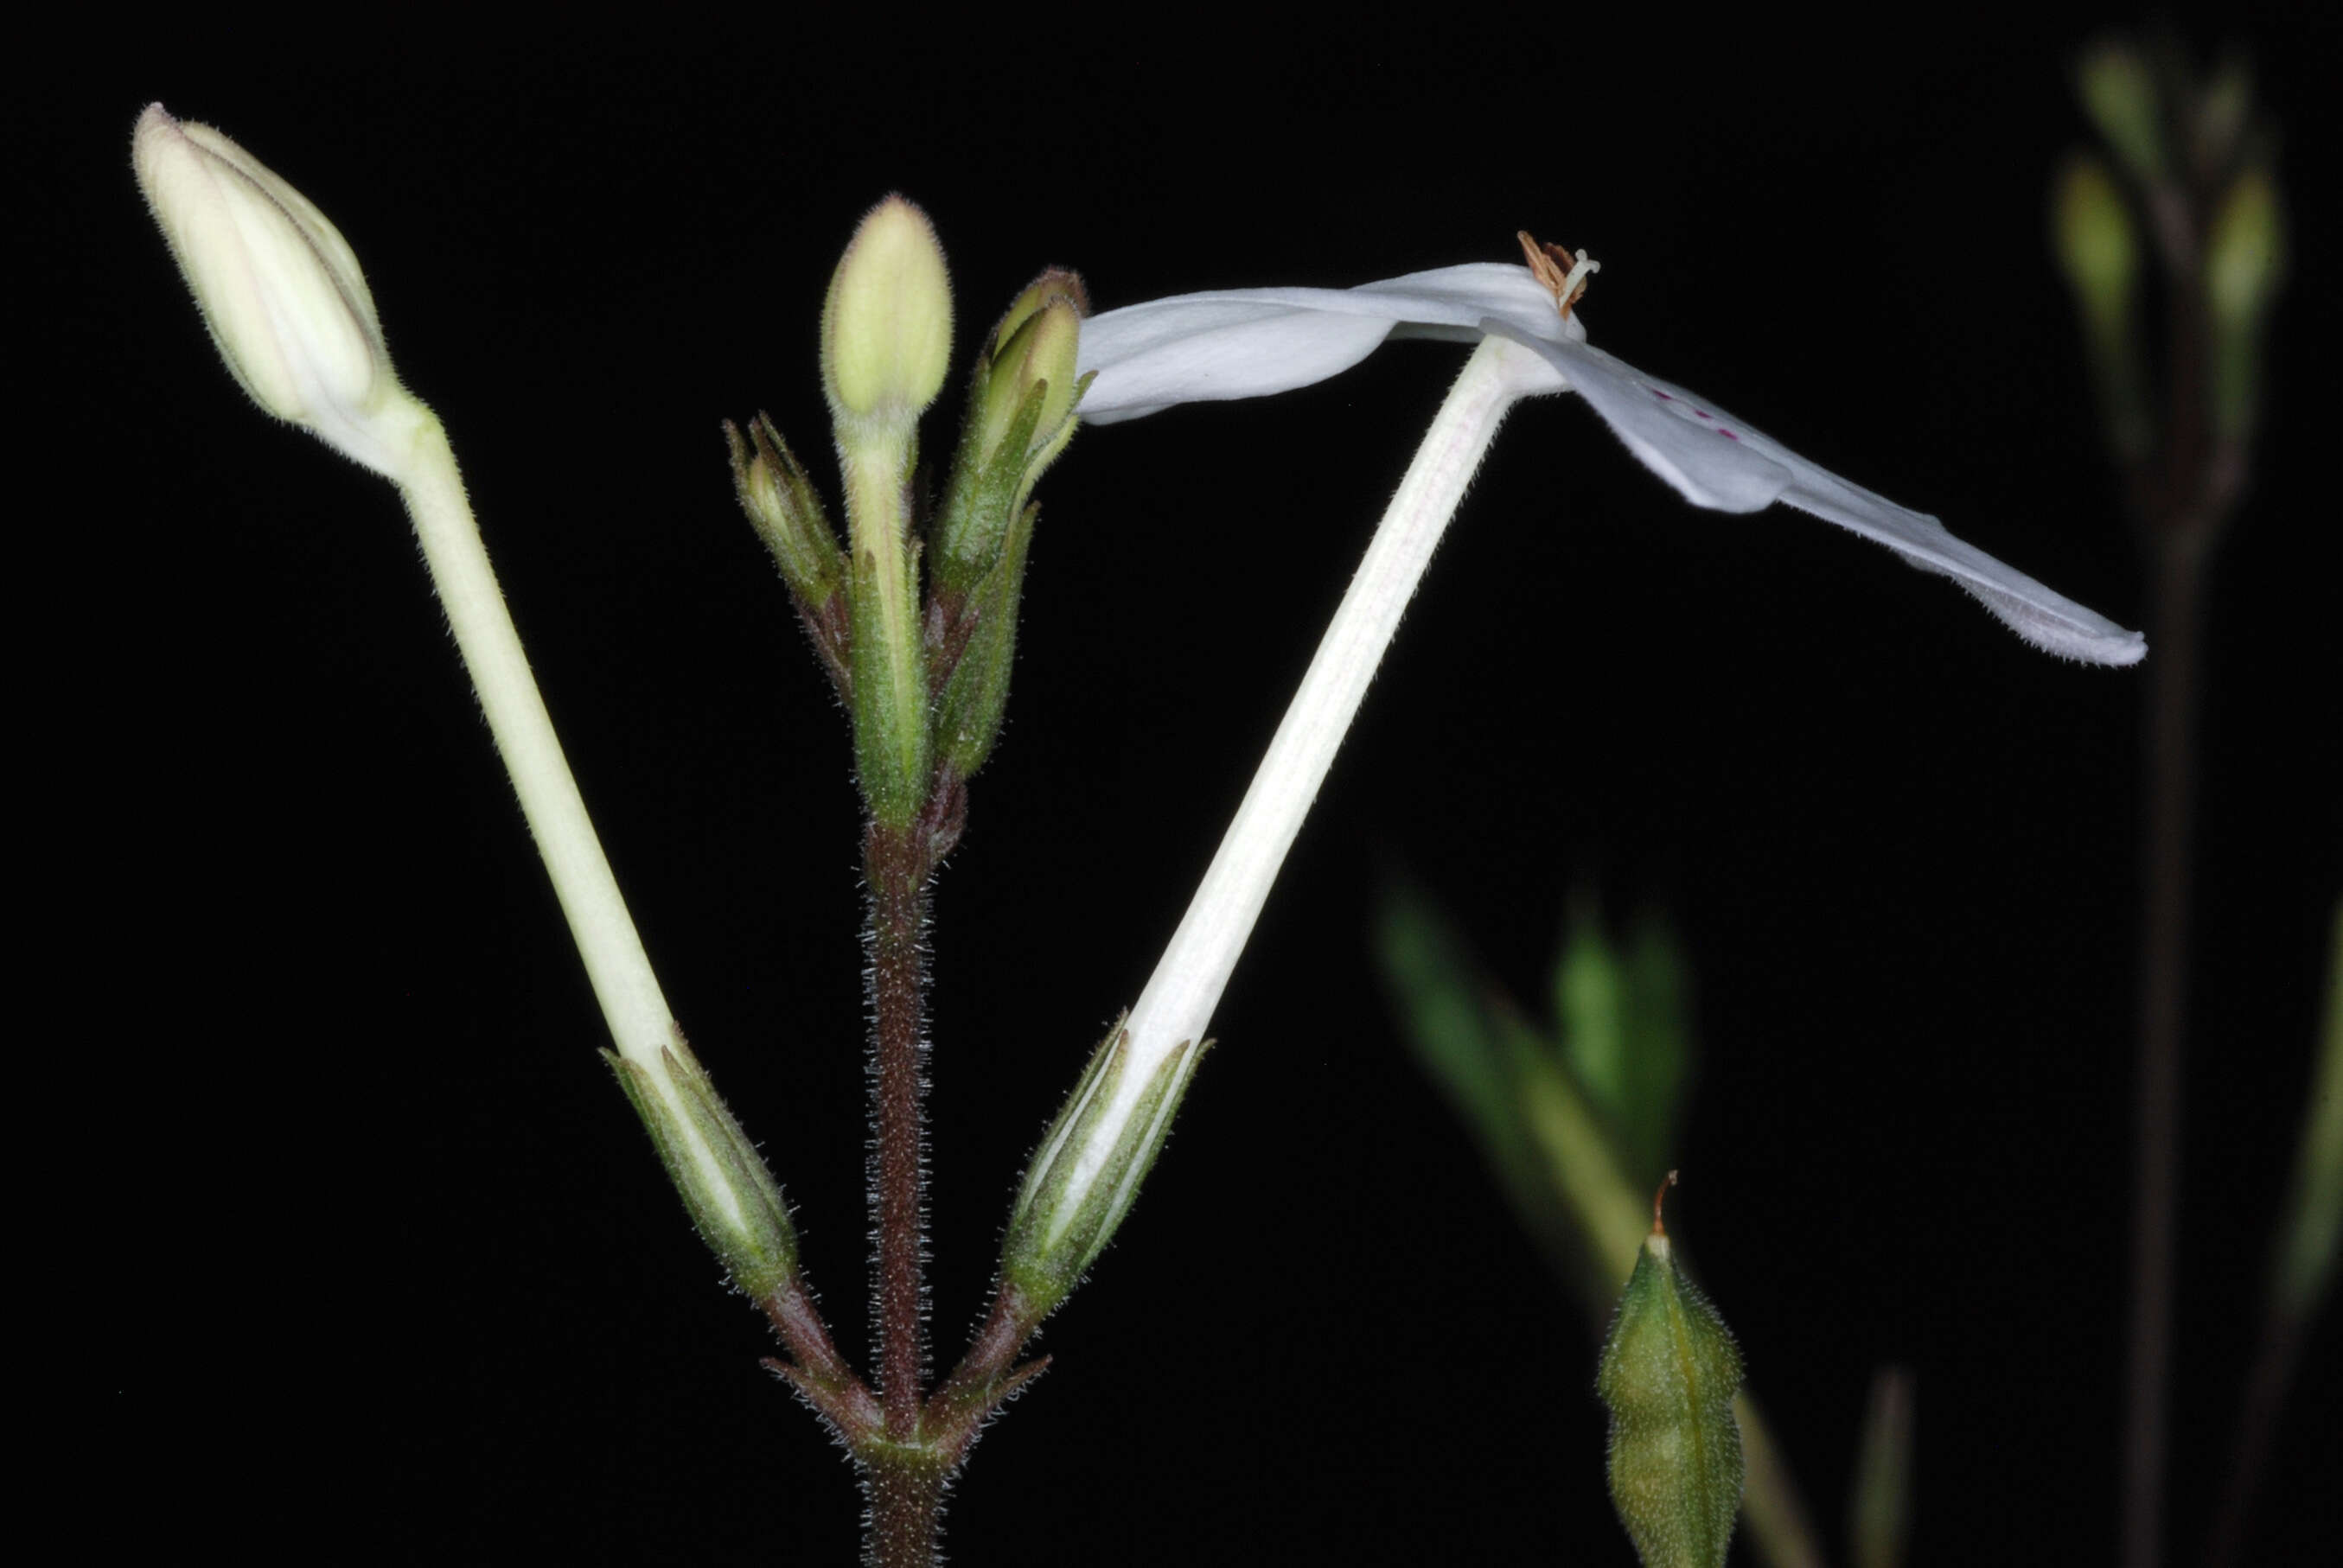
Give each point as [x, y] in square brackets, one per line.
[371, 1261]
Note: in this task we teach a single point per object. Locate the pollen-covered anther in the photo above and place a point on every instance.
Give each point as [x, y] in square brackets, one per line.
[1560, 272]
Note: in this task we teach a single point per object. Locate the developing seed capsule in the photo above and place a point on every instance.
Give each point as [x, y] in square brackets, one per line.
[1668, 1373]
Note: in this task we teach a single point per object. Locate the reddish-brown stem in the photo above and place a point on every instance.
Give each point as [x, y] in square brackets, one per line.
[895, 871]
[982, 1370]
[2181, 498]
[2265, 1397]
[905, 1489]
[2171, 770]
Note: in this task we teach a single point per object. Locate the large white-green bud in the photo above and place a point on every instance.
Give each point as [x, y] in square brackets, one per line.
[279, 289]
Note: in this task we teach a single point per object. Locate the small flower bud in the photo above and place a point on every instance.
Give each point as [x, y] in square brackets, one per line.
[886, 325]
[1668, 1374]
[1020, 415]
[2245, 266]
[1033, 353]
[1088, 1169]
[2097, 240]
[2118, 89]
[2098, 243]
[787, 512]
[279, 289]
[732, 1198]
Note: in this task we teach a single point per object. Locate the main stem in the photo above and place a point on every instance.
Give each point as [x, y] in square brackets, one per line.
[895, 869]
[2180, 501]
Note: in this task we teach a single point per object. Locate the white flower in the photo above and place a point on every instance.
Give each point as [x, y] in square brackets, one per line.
[1248, 343]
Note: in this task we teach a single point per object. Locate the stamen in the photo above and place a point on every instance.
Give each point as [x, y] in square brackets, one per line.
[1561, 274]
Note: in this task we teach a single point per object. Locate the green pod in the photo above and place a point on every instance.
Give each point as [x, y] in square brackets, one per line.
[1668, 1373]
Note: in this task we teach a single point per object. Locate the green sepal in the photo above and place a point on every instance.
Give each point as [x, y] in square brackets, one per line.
[972, 529]
[893, 729]
[975, 696]
[1068, 1207]
[1668, 1373]
[733, 1201]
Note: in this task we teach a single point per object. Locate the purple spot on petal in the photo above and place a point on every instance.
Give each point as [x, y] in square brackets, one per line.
[1728, 435]
[1703, 413]
[1660, 395]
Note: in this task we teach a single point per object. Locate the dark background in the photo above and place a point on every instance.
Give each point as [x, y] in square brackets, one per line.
[380, 1267]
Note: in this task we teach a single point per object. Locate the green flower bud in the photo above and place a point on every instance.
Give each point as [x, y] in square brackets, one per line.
[732, 1198]
[1020, 416]
[2224, 115]
[2245, 266]
[2098, 243]
[1668, 1374]
[1032, 353]
[886, 343]
[2117, 87]
[787, 512]
[886, 324]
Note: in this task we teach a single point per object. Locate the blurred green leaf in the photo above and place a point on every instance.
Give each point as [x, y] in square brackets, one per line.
[2313, 1224]
[1879, 1510]
[1447, 1020]
[1621, 1016]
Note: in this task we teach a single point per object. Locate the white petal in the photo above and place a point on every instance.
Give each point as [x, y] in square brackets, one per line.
[1716, 460]
[1252, 342]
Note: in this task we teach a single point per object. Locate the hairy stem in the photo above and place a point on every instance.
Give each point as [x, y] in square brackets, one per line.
[905, 1489]
[895, 867]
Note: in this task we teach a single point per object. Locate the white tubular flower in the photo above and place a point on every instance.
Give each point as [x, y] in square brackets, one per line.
[279, 289]
[1084, 1176]
[1249, 343]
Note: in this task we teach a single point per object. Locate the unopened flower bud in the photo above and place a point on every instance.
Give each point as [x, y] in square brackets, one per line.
[2098, 243]
[787, 512]
[886, 325]
[2097, 240]
[2118, 89]
[1020, 415]
[1668, 1374]
[2245, 266]
[1033, 353]
[279, 289]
